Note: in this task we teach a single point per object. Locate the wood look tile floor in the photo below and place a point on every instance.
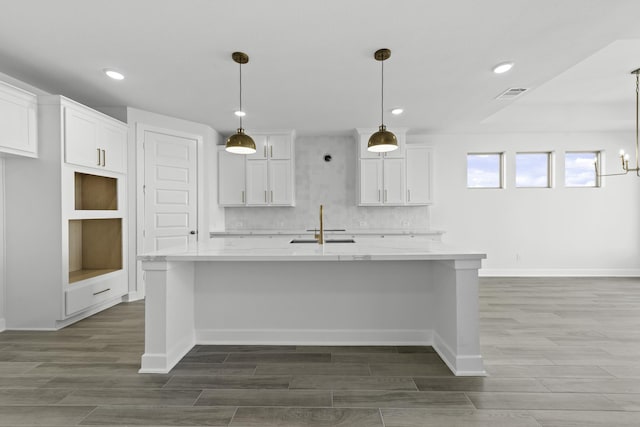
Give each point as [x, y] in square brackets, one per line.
[559, 352]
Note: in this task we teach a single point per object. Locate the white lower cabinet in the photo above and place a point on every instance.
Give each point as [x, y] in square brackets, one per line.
[18, 121]
[66, 227]
[265, 178]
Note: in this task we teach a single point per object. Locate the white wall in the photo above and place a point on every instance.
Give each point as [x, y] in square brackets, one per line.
[3, 322]
[332, 184]
[210, 217]
[525, 231]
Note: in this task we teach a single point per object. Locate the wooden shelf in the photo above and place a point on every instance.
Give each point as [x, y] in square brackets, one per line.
[95, 192]
[79, 275]
[95, 247]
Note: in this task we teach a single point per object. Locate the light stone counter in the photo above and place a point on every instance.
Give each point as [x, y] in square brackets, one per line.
[433, 234]
[391, 291]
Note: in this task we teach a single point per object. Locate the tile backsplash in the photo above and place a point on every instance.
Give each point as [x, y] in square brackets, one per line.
[332, 184]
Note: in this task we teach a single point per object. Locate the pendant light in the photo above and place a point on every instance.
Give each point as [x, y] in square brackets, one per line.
[240, 142]
[383, 140]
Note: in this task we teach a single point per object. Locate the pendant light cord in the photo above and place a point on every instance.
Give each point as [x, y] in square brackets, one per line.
[382, 96]
[637, 143]
[240, 64]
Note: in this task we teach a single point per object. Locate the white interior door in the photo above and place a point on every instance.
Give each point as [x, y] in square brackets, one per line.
[170, 191]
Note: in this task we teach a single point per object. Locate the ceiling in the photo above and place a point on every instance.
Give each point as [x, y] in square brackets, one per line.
[311, 64]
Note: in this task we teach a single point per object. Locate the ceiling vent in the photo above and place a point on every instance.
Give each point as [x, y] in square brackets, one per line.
[512, 93]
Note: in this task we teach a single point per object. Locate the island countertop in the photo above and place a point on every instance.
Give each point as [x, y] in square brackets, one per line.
[280, 249]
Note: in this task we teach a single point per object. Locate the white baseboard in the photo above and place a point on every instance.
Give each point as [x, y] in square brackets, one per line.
[558, 272]
[314, 337]
[163, 363]
[469, 366]
[132, 296]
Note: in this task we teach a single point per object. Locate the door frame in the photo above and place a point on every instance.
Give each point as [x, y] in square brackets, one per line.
[141, 128]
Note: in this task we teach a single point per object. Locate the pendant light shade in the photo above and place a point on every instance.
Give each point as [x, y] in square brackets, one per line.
[383, 140]
[240, 142]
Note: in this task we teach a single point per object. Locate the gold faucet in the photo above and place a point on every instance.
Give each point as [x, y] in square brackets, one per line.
[320, 236]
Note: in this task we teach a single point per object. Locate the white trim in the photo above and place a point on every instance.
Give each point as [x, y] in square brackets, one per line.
[3, 325]
[162, 363]
[315, 336]
[469, 366]
[558, 272]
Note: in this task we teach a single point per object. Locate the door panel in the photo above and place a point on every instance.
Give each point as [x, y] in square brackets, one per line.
[281, 191]
[170, 191]
[370, 181]
[257, 182]
[81, 139]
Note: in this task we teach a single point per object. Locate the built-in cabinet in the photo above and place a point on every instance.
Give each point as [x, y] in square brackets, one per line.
[397, 178]
[18, 121]
[264, 178]
[93, 142]
[66, 218]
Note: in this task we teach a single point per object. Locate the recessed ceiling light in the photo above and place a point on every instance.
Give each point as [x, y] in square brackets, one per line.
[240, 113]
[502, 67]
[397, 111]
[115, 75]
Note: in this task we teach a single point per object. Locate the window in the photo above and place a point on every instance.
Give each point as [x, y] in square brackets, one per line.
[579, 169]
[532, 170]
[484, 170]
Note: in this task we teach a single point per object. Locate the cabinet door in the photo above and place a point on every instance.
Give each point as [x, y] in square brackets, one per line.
[113, 142]
[18, 129]
[280, 147]
[257, 178]
[281, 185]
[231, 179]
[371, 181]
[393, 187]
[81, 139]
[418, 175]
[261, 147]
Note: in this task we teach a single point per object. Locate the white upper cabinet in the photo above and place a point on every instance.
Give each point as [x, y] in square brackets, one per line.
[371, 182]
[267, 174]
[18, 121]
[397, 178]
[257, 183]
[231, 168]
[393, 182]
[419, 169]
[93, 139]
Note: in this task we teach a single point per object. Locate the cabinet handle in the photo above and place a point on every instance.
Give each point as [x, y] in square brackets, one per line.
[265, 196]
[271, 196]
[101, 292]
[385, 196]
[242, 192]
[104, 158]
[98, 156]
[378, 195]
[265, 151]
[271, 151]
[408, 195]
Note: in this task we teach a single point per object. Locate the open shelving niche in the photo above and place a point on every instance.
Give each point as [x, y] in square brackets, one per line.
[95, 243]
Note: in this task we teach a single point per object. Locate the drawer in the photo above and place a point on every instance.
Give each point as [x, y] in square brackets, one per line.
[88, 295]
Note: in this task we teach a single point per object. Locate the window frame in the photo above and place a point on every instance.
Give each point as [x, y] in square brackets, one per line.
[501, 169]
[599, 155]
[550, 164]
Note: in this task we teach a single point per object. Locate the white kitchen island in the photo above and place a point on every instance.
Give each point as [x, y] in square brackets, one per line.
[377, 291]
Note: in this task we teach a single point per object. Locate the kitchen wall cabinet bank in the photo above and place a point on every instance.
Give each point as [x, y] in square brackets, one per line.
[18, 121]
[65, 215]
[397, 178]
[264, 178]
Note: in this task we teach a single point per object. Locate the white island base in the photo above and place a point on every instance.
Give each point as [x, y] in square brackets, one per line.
[270, 292]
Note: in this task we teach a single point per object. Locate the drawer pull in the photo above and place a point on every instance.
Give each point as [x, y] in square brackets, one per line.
[101, 292]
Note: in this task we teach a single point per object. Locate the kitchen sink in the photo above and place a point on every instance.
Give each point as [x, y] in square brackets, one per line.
[326, 241]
